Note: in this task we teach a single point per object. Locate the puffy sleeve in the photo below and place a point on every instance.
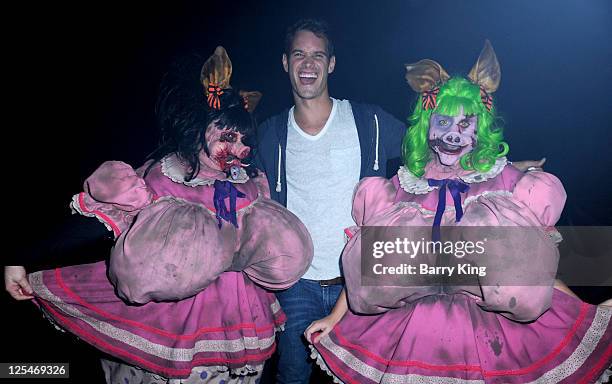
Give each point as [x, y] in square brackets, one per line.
[275, 248]
[114, 194]
[372, 195]
[373, 205]
[521, 261]
[543, 194]
[371, 295]
[173, 250]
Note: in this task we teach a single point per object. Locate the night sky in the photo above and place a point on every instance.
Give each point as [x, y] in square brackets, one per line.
[92, 71]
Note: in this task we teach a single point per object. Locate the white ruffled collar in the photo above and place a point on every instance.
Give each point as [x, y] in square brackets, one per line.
[419, 186]
[174, 169]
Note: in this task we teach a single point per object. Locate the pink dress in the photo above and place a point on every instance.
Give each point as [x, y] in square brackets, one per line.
[192, 285]
[411, 334]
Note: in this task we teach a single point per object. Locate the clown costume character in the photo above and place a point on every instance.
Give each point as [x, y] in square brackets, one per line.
[199, 244]
[500, 329]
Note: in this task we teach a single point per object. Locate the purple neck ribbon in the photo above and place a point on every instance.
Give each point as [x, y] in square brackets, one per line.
[456, 188]
[223, 190]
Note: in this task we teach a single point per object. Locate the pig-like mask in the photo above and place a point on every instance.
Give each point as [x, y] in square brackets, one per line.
[225, 149]
[451, 137]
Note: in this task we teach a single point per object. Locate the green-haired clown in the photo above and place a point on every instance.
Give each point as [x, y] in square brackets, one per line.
[454, 118]
[443, 315]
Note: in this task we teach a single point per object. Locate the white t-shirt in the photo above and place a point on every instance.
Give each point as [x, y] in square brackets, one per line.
[322, 172]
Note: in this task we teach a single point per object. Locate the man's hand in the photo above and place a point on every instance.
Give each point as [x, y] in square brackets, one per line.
[530, 165]
[16, 283]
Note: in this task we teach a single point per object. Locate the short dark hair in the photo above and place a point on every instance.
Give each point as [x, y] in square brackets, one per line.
[320, 29]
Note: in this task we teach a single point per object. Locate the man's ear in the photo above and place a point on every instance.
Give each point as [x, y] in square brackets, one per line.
[331, 65]
[285, 62]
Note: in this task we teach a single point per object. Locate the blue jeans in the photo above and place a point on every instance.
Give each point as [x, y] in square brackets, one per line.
[303, 303]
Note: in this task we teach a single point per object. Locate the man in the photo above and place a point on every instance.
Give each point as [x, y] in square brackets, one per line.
[314, 154]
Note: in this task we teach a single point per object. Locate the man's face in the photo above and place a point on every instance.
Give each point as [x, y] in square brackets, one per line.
[451, 137]
[225, 148]
[308, 65]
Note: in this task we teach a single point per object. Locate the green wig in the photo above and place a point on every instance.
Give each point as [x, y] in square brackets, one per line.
[457, 92]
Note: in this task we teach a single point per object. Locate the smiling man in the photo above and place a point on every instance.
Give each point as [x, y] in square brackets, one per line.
[314, 154]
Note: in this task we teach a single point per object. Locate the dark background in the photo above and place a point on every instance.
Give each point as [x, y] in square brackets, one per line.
[86, 79]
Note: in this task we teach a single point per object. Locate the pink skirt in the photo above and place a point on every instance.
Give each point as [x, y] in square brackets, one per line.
[449, 339]
[230, 325]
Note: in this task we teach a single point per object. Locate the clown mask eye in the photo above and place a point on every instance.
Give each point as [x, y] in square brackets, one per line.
[463, 124]
[229, 137]
[443, 122]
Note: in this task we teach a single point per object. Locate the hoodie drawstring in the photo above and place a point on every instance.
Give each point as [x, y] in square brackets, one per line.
[278, 174]
[377, 134]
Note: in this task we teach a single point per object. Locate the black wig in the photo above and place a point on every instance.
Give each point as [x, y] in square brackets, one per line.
[183, 115]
